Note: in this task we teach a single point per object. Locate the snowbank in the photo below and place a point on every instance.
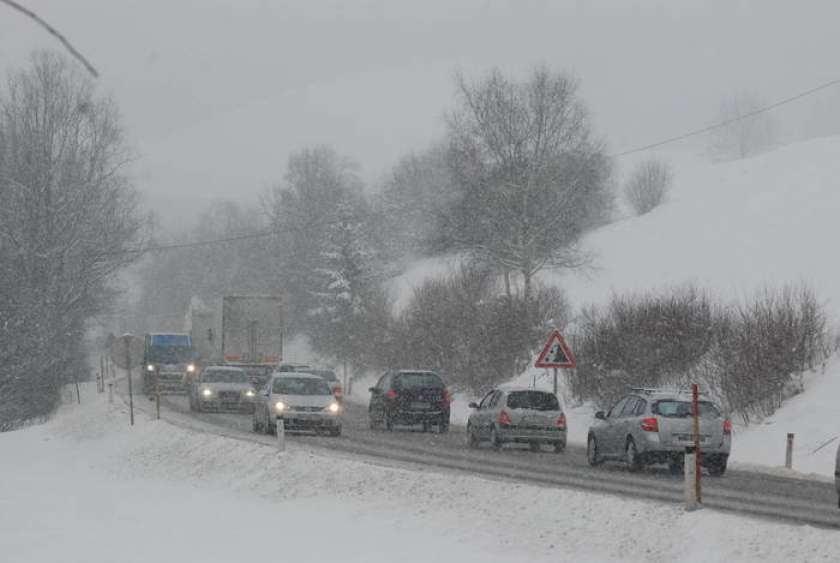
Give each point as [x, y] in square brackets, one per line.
[86, 487]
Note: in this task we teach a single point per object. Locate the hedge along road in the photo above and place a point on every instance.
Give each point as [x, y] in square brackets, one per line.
[794, 500]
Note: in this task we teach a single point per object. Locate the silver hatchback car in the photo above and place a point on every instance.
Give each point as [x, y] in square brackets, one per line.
[651, 426]
[518, 415]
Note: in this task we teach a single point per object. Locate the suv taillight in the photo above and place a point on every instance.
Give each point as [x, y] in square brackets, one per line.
[504, 419]
[561, 422]
[650, 425]
[391, 394]
[727, 427]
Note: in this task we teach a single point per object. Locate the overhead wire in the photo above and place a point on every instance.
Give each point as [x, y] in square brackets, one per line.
[726, 122]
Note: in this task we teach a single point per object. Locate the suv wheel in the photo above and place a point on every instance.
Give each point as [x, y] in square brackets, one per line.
[631, 454]
[472, 438]
[676, 465]
[495, 441]
[717, 466]
[592, 451]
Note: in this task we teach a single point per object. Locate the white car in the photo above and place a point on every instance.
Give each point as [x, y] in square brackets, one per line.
[302, 401]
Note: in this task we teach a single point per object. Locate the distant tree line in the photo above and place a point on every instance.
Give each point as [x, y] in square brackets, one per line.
[511, 188]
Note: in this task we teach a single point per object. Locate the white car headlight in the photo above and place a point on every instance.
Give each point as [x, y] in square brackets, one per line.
[334, 408]
[279, 406]
[150, 367]
[190, 368]
[249, 393]
[207, 392]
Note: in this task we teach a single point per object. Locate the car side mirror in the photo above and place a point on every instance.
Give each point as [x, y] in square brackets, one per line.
[600, 415]
[473, 405]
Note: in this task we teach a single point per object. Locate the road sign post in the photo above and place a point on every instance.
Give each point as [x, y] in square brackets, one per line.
[556, 354]
[695, 410]
[127, 340]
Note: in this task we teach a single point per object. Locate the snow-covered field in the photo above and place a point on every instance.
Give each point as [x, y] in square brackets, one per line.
[733, 228]
[85, 487]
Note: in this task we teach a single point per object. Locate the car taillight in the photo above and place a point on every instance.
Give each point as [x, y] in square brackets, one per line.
[727, 427]
[447, 396]
[650, 425]
[391, 394]
[561, 422]
[504, 419]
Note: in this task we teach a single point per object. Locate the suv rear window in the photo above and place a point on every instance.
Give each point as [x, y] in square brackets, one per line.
[682, 409]
[418, 381]
[535, 400]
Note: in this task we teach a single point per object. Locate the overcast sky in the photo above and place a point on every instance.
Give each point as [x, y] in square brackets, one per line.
[216, 94]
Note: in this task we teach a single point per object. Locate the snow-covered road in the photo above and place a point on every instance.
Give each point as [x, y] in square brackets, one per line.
[87, 487]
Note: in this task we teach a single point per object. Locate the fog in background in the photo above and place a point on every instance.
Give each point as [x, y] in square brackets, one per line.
[216, 94]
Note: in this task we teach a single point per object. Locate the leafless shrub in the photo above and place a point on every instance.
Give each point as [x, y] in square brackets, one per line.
[462, 326]
[648, 186]
[749, 356]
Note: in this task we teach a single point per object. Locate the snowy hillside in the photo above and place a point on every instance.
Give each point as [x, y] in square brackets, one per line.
[734, 228]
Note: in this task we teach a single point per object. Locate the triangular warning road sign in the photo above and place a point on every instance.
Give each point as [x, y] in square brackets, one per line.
[556, 353]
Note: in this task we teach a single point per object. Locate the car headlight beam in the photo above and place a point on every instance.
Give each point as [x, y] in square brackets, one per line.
[334, 408]
[279, 406]
[190, 368]
[249, 393]
[207, 392]
[150, 367]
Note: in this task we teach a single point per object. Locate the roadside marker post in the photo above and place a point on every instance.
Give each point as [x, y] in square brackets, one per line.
[689, 489]
[789, 452]
[157, 393]
[556, 354]
[110, 392]
[281, 435]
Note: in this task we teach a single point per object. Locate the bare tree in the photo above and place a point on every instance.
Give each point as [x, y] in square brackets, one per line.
[67, 215]
[648, 185]
[530, 177]
[748, 131]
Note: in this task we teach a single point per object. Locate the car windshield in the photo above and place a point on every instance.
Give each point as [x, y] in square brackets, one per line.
[418, 381]
[300, 386]
[536, 400]
[325, 374]
[224, 376]
[169, 354]
[682, 409]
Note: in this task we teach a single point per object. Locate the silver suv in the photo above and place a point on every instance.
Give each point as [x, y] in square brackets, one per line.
[517, 415]
[651, 426]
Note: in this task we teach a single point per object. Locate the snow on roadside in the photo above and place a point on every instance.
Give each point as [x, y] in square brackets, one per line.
[86, 487]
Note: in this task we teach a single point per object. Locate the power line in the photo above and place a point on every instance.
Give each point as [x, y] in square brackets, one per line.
[209, 242]
[726, 122]
[53, 31]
